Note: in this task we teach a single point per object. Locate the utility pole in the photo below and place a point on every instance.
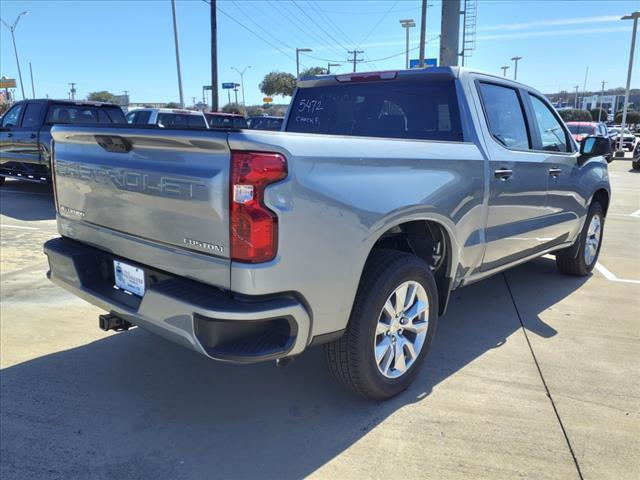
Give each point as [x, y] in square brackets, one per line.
[329, 65]
[407, 24]
[584, 86]
[235, 91]
[175, 38]
[634, 16]
[423, 29]
[355, 58]
[450, 33]
[12, 29]
[601, 95]
[504, 70]
[242, 79]
[72, 91]
[33, 89]
[214, 57]
[575, 105]
[515, 71]
[298, 50]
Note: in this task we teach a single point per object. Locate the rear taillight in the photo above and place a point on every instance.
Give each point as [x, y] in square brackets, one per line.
[254, 228]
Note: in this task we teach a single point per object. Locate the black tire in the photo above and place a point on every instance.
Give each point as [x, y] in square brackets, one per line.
[635, 165]
[572, 260]
[351, 358]
[1, 181]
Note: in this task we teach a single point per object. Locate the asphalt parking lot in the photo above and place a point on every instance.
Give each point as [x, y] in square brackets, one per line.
[533, 375]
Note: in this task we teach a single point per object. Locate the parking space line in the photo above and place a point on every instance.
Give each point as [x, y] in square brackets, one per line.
[606, 273]
[19, 227]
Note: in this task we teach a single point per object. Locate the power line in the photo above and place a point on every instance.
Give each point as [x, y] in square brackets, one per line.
[361, 12]
[294, 20]
[237, 4]
[254, 33]
[318, 25]
[378, 23]
[329, 22]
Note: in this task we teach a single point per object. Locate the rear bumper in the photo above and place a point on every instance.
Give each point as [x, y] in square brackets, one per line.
[203, 318]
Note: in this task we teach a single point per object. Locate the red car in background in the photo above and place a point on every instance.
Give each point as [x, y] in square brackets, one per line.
[582, 130]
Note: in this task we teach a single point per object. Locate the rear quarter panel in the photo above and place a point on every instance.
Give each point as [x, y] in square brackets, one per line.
[342, 194]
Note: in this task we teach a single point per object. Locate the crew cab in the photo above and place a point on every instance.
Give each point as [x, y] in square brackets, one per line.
[25, 133]
[386, 192]
[167, 118]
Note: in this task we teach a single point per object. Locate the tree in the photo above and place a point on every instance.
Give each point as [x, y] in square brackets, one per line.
[599, 114]
[310, 72]
[633, 118]
[102, 96]
[172, 105]
[575, 115]
[278, 83]
[234, 108]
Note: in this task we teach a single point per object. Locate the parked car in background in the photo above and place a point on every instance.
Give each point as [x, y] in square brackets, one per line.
[351, 228]
[582, 130]
[167, 118]
[225, 120]
[629, 140]
[265, 123]
[25, 133]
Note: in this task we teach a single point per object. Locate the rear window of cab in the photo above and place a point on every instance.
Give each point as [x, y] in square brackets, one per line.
[409, 109]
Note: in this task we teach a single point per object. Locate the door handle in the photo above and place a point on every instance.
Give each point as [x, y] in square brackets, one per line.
[554, 172]
[9, 134]
[32, 136]
[503, 173]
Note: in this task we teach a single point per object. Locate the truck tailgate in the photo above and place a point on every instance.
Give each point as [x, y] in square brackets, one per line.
[135, 191]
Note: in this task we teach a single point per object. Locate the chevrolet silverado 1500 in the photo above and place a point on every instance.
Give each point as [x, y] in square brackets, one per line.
[351, 228]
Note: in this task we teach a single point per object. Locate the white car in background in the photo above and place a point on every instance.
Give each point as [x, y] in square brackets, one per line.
[167, 118]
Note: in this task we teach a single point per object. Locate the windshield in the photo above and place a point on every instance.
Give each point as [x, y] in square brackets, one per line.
[266, 123]
[223, 121]
[425, 109]
[581, 129]
[75, 114]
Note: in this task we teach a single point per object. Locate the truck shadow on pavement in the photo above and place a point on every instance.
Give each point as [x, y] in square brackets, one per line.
[135, 406]
[27, 201]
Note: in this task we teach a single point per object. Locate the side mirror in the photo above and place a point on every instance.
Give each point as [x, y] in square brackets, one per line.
[594, 147]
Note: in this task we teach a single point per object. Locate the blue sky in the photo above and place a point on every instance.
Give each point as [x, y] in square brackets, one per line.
[128, 45]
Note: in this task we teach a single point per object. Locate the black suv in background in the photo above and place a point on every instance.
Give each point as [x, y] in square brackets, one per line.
[25, 133]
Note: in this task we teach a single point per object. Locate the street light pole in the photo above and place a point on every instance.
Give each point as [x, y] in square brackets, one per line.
[504, 70]
[175, 38]
[329, 65]
[298, 50]
[407, 24]
[12, 29]
[242, 79]
[515, 70]
[33, 89]
[634, 16]
[601, 95]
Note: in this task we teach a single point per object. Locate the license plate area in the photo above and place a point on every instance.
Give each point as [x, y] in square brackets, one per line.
[128, 278]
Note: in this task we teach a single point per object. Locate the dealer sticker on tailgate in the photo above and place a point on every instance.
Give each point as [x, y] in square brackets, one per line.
[129, 278]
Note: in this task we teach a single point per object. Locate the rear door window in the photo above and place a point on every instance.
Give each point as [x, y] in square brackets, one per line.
[424, 110]
[505, 115]
[32, 115]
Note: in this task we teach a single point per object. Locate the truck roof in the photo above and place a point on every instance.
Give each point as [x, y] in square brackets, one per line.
[69, 102]
[181, 111]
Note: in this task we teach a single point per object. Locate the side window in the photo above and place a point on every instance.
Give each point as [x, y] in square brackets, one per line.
[12, 116]
[32, 115]
[142, 117]
[505, 116]
[131, 117]
[554, 138]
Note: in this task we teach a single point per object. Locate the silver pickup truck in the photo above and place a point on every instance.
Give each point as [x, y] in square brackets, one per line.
[350, 228]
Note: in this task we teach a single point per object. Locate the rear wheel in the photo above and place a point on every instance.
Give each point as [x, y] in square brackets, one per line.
[1, 181]
[391, 327]
[582, 257]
